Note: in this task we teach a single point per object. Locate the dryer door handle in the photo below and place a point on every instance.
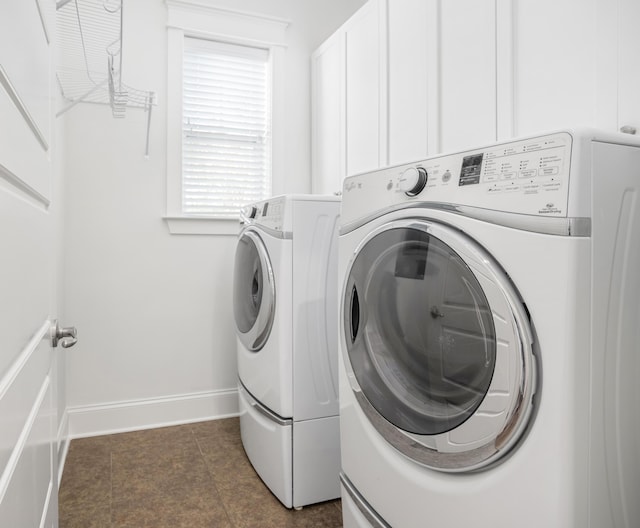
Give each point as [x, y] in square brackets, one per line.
[354, 316]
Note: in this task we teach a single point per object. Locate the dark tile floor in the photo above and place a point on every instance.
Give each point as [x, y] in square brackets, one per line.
[191, 476]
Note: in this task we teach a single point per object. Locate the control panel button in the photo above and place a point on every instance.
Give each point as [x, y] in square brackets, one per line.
[413, 180]
[528, 173]
[548, 171]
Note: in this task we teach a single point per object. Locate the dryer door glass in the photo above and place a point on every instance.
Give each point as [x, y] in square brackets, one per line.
[253, 294]
[419, 331]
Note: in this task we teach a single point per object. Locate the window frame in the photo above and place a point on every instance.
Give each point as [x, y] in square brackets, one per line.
[192, 19]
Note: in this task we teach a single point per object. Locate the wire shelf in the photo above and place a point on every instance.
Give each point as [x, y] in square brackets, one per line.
[89, 65]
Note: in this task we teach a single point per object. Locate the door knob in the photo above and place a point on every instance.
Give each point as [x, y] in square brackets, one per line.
[67, 336]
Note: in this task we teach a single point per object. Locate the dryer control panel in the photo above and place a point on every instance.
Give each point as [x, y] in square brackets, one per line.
[529, 176]
[269, 213]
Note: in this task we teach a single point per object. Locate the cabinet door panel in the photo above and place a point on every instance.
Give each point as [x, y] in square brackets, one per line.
[408, 77]
[328, 130]
[363, 112]
[555, 66]
[468, 73]
[629, 65]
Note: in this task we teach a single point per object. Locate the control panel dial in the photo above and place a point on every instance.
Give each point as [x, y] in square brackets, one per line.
[413, 180]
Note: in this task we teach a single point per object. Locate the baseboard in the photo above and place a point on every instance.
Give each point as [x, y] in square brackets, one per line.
[63, 444]
[95, 420]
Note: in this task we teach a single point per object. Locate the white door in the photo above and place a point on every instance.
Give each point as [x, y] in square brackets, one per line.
[28, 454]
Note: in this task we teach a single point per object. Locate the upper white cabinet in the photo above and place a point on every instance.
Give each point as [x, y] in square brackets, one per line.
[549, 63]
[420, 77]
[566, 64]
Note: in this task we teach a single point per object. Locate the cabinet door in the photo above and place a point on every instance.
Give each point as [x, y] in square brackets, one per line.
[365, 89]
[554, 66]
[629, 64]
[409, 75]
[467, 30]
[328, 154]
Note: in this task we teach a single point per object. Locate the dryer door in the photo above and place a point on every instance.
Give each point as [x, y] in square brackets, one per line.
[439, 348]
[253, 291]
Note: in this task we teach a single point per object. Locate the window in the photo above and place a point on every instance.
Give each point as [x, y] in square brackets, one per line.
[226, 127]
[225, 148]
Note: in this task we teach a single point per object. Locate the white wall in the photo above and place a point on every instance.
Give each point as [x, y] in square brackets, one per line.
[153, 310]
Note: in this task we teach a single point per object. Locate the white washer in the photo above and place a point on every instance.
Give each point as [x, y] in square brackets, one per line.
[490, 337]
[285, 306]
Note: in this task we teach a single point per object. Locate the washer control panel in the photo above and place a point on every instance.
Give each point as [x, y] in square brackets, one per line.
[529, 176]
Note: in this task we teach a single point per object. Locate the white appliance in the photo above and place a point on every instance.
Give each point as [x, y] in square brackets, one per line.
[490, 337]
[285, 305]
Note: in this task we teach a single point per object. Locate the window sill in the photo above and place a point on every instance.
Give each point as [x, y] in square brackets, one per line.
[188, 225]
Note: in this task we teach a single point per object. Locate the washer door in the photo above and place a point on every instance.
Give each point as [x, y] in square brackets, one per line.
[439, 348]
[253, 292]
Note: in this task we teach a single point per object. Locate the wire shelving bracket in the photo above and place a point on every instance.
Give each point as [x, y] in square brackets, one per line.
[89, 63]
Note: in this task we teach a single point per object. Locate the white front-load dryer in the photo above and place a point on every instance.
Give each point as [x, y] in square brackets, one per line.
[489, 337]
[285, 307]
[262, 305]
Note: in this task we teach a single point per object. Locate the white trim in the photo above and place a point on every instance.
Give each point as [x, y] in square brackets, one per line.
[184, 225]
[278, 121]
[213, 21]
[62, 444]
[175, 45]
[46, 519]
[22, 108]
[9, 181]
[18, 449]
[207, 8]
[118, 417]
[226, 37]
[12, 373]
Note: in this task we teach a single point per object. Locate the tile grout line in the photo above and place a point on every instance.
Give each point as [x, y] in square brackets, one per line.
[213, 480]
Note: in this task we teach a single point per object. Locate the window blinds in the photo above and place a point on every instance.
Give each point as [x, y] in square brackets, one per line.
[226, 128]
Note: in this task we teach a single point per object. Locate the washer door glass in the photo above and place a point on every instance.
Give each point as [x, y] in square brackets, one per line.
[421, 338]
[253, 292]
